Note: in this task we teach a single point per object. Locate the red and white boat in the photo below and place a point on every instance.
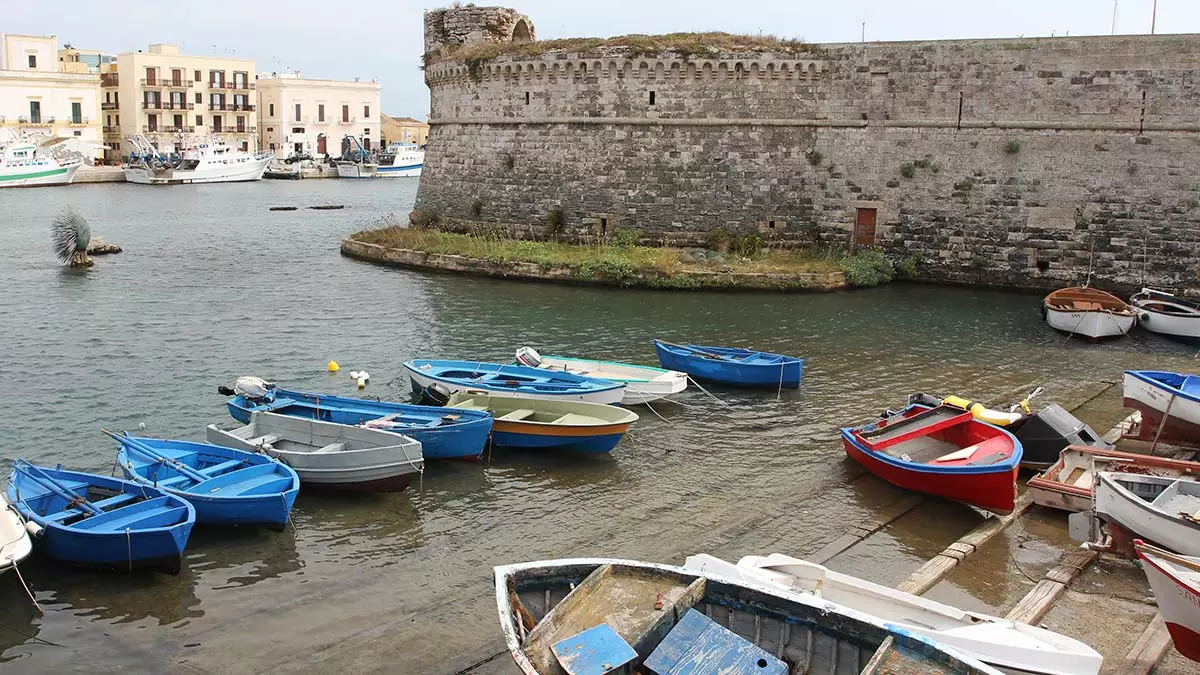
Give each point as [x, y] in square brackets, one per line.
[1069, 482]
[1176, 583]
[942, 451]
[1157, 395]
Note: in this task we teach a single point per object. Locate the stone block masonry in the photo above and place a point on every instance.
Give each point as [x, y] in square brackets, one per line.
[996, 162]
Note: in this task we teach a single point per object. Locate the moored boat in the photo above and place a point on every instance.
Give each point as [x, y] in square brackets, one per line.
[509, 380]
[1165, 511]
[732, 365]
[15, 544]
[196, 161]
[1175, 580]
[643, 384]
[1068, 483]
[458, 435]
[356, 169]
[22, 164]
[1167, 314]
[537, 424]
[942, 451]
[1169, 404]
[624, 616]
[327, 455]
[95, 520]
[1008, 645]
[401, 160]
[1089, 312]
[224, 485]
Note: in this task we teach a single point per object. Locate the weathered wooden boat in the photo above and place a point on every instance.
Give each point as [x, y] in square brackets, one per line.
[510, 380]
[15, 544]
[459, 435]
[643, 384]
[95, 520]
[942, 451]
[1165, 511]
[536, 424]
[224, 485]
[598, 615]
[1008, 645]
[1169, 404]
[1068, 483]
[731, 365]
[327, 455]
[1167, 314]
[1089, 312]
[1175, 580]
[1043, 434]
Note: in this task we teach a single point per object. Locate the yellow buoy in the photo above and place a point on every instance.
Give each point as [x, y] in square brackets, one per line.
[333, 367]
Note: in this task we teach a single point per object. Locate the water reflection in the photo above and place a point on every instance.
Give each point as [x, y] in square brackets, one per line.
[222, 557]
[18, 617]
[352, 529]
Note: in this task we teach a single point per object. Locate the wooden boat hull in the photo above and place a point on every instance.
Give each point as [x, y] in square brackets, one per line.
[464, 439]
[15, 544]
[1115, 501]
[522, 380]
[256, 491]
[1176, 585]
[149, 534]
[1148, 393]
[1094, 325]
[816, 636]
[1014, 647]
[1068, 483]
[786, 374]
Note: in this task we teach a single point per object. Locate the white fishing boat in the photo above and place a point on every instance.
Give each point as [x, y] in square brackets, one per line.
[1169, 404]
[1165, 511]
[401, 161]
[1088, 312]
[15, 544]
[1167, 314]
[195, 161]
[1007, 645]
[347, 169]
[1175, 580]
[1067, 484]
[328, 455]
[356, 161]
[25, 164]
[643, 384]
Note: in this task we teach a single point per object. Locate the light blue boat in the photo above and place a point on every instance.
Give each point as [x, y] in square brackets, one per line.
[225, 486]
[732, 366]
[511, 380]
[443, 435]
[95, 520]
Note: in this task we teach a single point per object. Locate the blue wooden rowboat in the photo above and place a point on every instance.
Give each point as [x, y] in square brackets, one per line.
[502, 380]
[731, 365]
[443, 435]
[95, 520]
[225, 486]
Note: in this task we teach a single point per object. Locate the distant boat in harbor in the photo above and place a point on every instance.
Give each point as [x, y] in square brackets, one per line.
[732, 365]
[509, 380]
[643, 384]
[25, 164]
[401, 160]
[537, 424]
[1167, 314]
[356, 160]
[1089, 312]
[197, 161]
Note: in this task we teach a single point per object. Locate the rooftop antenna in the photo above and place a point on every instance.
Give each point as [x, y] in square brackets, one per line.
[1114, 23]
[864, 31]
[1153, 17]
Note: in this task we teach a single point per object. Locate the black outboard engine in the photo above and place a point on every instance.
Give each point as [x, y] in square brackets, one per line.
[1047, 432]
[435, 394]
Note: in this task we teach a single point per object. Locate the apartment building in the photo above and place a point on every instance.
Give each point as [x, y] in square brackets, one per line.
[41, 96]
[311, 116]
[406, 130]
[162, 94]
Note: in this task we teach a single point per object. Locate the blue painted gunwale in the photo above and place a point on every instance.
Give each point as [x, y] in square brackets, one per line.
[464, 438]
[486, 376]
[246, 488]
[735, 366]
[1006, 466]
[1172, 383]
[164, 521]
[595, 445]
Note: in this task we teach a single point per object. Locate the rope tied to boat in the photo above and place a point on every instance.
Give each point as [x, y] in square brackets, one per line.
[24, 585]
[709, 393]
[129, 547]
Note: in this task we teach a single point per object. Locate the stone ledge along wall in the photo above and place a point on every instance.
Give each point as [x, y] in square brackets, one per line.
[1022, 162]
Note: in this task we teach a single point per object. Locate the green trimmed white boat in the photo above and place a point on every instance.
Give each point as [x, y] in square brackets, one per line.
[643, 384]
[23, 164]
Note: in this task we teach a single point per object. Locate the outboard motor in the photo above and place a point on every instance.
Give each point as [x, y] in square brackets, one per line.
[528, 356]
[1046, 433]
[436, 394]
[253, 388]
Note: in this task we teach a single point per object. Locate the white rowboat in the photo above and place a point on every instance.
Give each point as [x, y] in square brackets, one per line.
[1164, 313]
[1175, 580]
[1088, 312]
[643, 384]
[1165, 511]
[1008, 645]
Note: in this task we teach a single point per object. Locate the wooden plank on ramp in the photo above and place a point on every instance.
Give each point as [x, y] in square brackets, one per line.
[1037, 602]
[1148, 650]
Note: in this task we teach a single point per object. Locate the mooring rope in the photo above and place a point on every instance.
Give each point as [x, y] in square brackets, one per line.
[710, 394]
[26, 587]
[129, 544]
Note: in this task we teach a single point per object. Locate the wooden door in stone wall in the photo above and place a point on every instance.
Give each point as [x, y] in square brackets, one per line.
[864, 227]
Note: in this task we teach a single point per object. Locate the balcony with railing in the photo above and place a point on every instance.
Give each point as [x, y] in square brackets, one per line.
[245, 107]
[178, 84]
[237, 86]
[238, 129]
[153, 84]
[152, 105]
[112, 129]
[78, 121]
[187, 129]
[109, 105]
[174, 105]
[220, 106]
[35, 122]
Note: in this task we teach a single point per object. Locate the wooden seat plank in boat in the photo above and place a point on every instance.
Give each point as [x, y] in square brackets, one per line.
[129, 517]
[640, 607]
[575, 418]
[105, 504]
[595, 651]
[243, 479]
[517, 415]
[216, 469]
[697, 644]
[332, 447]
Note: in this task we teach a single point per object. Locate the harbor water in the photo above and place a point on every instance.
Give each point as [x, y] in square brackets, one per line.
[213, 285]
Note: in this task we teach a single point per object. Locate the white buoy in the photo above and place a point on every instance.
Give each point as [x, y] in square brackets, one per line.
[354, 374]
[34, 529]
[364, 375]
[362, 383]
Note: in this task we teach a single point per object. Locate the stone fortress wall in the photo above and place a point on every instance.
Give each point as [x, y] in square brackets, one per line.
[1022, 162]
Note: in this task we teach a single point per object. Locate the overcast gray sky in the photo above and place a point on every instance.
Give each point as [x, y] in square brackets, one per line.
[382, 39]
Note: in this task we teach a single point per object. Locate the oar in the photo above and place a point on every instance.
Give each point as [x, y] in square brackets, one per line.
[54, 486]
[701, 352]
[154, 454]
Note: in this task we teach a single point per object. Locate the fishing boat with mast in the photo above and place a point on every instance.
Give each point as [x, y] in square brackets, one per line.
[401, 160]
[356, 161]
[24, 163]
[208, 160]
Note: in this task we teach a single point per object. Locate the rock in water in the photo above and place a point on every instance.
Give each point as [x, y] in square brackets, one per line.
[97, 246]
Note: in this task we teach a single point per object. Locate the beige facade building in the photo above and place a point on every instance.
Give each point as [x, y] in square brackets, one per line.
[403, 130]
[41, 96]
[304, 115]
[162, 94]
